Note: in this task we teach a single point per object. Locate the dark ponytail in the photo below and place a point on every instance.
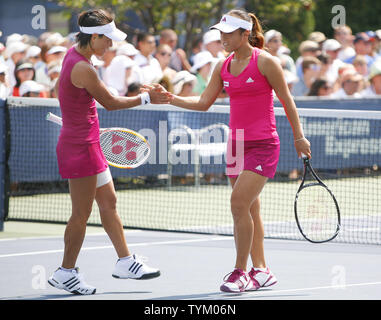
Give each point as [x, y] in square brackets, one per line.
[91, 18]
[256, 38]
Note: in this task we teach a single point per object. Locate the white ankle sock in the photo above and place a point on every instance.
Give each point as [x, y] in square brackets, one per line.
[126, 258]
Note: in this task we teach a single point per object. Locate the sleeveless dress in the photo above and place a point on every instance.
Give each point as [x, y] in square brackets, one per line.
[253, 141]
[78, 149]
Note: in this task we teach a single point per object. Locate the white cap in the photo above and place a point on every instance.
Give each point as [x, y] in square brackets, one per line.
[56, 49]
[14, 37]
[271, 34]
[229, 24]
[30, 86]
[109, 30]
[127, 49]
[33, 51]
[331, 45]
[55, 39]
[181, 78]
[15, 47]
[375, 69]
[210, 36]
[201, 59]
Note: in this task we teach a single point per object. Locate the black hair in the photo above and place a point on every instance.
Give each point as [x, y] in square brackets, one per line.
[91, 18]
[22, 61]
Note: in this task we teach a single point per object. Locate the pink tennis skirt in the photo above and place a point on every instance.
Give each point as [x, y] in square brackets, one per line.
[80, 160]
[259, 156]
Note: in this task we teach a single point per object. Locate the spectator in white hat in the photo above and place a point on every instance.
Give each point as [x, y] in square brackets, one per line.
[15, 51]
[163, 55]
[212, 42]
[375, 81]
[128, 50]
[24, 71]
[273, 43]
[33, 54]
[55, 39]
[31, 88]
[183, 84]
[201, 67]
[351, 85]
[331, 48]
[14, 37]
[179, 60]
[55, 53]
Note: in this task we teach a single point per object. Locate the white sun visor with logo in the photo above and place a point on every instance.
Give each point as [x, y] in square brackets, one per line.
[109, 30]
[229, 24]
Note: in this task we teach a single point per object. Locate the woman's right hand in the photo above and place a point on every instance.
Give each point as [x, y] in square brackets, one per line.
[158, 94]
[302, 146]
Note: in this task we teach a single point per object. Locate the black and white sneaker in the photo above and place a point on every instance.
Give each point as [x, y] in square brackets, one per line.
[71, 281]
[134, 268]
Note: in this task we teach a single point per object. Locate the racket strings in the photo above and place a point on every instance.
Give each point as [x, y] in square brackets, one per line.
[123, 148]
[317, 213]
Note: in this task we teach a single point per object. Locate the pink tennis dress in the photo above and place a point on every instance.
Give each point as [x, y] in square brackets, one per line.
[253, 142]
[78, 150]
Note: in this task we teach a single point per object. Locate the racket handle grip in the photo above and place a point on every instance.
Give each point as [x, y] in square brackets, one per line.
[303, 156]
[53, 118]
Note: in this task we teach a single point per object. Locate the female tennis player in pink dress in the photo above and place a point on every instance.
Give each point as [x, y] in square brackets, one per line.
[80, 158]
[249, 76]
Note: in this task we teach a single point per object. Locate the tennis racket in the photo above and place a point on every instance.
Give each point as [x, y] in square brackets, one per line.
[123, 148]
[316, 210]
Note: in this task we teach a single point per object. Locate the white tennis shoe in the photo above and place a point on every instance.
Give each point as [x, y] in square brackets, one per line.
[134, 268]
[71, 281]
[262, 278]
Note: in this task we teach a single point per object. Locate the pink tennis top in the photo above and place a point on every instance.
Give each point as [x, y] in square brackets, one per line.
[78, 108]
[251, 101]
[78, 149]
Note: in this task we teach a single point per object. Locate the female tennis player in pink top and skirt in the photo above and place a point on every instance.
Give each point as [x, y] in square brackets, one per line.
[80, 158]
[249, 76]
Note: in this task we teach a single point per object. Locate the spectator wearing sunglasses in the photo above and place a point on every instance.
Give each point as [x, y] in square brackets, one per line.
[274, 43]
[163, 55]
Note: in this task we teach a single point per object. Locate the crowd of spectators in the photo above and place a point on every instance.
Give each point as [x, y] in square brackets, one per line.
[346, 66]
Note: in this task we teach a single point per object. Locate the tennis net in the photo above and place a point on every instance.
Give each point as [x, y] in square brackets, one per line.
[182, 187]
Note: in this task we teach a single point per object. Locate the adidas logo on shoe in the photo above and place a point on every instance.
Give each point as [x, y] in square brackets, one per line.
[249, 80]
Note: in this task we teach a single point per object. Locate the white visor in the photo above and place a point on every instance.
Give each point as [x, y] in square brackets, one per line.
[229, 24]
[109, 30]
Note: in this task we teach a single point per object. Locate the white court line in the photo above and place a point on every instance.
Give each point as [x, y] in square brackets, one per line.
[59, 237]
[143, 244]
[259, 292]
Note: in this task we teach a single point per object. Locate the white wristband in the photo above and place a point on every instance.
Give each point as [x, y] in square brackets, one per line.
[145, 98]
